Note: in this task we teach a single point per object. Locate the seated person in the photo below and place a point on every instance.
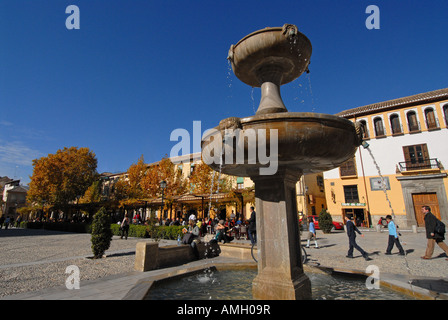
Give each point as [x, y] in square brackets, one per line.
[221, 233]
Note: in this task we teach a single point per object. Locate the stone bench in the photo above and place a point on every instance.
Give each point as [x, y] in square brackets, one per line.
[149, 256]
[238, 251]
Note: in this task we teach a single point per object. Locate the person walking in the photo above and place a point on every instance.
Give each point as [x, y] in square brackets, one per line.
[393, 237]
[433, 237]
[311, 233]
[125, 227]
[252, 230]
[351, 229]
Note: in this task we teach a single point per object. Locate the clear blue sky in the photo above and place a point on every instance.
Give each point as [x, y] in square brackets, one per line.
[137, 70]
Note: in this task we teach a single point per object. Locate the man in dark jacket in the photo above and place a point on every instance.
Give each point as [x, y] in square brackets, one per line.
[351, 229]
[252, 230]
[432, 236]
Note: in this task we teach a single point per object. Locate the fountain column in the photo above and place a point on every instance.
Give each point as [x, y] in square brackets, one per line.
[280, 270]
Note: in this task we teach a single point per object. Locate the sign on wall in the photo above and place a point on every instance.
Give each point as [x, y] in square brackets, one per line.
[377, 183]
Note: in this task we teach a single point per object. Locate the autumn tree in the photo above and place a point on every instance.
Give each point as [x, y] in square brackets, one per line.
[136, 174]
[62, 177]
[93, 193]
[166, 170]
[206, 180]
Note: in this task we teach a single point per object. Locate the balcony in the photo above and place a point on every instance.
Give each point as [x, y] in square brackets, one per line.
[414, 126]
[429, 165]
[432, 124]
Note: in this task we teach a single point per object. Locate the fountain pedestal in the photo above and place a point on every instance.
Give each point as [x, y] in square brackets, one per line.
[280, 271]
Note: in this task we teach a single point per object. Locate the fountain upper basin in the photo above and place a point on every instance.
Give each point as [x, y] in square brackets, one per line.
[278, 55]
[307, 142]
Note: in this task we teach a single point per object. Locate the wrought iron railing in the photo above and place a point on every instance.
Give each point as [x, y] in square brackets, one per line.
[419, 164]
[432, 124]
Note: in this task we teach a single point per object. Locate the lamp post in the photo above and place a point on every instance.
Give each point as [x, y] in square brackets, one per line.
[163, 186]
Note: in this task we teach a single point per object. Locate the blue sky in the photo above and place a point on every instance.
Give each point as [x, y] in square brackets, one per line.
[137, 70]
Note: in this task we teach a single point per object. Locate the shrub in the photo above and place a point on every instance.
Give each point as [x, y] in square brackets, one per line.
[325, 221]
[101, 233]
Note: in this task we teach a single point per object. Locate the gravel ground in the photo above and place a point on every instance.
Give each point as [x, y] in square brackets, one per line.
[32, 260]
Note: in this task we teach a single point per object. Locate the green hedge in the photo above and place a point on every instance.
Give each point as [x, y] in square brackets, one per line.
[142, 231]
[139, 231]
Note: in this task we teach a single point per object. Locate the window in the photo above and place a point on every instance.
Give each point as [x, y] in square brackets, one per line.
[379, 128]
[416, 157]
[320, 183]
[445, 113]
[365, 131]
[395, 124]
[348, 168]
[431, 121]
[412, 121]
[351, 194]
[240, 183]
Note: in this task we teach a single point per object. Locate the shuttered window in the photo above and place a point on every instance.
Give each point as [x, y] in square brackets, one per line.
[348, 168]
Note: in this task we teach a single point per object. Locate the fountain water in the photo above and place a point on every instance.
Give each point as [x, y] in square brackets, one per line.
[304, 142]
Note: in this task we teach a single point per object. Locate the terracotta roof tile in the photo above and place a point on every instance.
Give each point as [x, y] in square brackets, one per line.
[421, 98]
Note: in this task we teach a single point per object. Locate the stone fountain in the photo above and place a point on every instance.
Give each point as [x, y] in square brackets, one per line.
[298, 143]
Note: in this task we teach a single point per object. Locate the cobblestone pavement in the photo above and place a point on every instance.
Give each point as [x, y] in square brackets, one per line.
[32, 260]
[333, 250]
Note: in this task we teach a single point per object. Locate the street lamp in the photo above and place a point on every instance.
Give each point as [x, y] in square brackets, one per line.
[163, 186]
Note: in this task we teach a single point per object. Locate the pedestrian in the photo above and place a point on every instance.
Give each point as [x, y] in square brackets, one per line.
[393, 237]
[351, 229]
[433, 237]
[252, 230]
[311, 233]
[7, 220]
[125, 227]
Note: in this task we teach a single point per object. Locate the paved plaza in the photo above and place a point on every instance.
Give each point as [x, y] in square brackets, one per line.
[33, 262]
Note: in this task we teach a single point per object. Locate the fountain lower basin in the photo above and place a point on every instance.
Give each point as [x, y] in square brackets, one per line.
[307, 142]
[234, 284]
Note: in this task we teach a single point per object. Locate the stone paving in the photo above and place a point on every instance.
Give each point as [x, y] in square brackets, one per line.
[33, 263]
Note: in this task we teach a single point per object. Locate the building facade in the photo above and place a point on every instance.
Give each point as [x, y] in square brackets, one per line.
[407, 152]
[14, 197]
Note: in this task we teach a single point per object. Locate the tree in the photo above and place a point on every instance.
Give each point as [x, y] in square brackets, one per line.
[136, 174]
[101, 233]
[62, 177]
[164, 170]
[325, 221]
[205, 180]
[93, 193]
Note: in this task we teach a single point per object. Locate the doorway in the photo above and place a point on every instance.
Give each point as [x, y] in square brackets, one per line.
[425, 199]
[359, 215]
